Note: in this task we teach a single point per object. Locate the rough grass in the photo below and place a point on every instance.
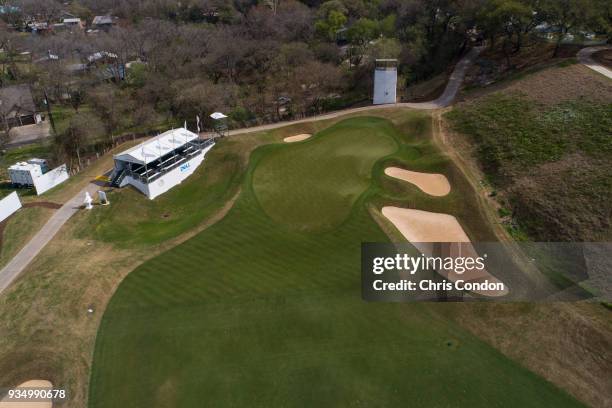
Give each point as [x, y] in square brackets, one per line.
[551, 161]
[19, 229]
[45, 330]
[255, 312]
[570, 344]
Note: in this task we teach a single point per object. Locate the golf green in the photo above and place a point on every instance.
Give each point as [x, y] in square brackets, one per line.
[263, 308]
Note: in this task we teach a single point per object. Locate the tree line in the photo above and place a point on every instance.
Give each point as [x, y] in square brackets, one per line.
[257, 61]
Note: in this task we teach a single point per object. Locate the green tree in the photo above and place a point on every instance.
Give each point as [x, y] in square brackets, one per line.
[328, 27]
[512, 19]
[84, 130]
[359, 36]
[385, 48]
[387, 26]
[565, 16]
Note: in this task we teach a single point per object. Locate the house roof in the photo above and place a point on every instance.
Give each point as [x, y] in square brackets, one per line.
[102, 20]
[96, 56]
[157, 147]
[16, 99]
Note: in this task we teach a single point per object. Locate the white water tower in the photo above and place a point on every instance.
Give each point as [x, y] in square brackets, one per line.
[385, 81]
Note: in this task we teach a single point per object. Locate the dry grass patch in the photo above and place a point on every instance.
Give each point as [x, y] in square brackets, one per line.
[19, 228]
[559, 84]
[568, 344]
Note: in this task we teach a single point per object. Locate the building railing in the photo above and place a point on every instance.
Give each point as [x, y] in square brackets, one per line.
[152, 171]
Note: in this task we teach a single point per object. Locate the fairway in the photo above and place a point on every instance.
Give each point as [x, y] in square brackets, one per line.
[263, 309]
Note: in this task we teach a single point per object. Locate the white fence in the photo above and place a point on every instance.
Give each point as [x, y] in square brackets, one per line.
[8, 205]
[51, 179]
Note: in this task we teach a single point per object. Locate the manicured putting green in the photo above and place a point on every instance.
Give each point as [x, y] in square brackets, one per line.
[304, 186]
[254, 312]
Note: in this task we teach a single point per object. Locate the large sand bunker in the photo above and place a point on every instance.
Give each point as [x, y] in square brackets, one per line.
[38, 384]
[432, 184]
[296, 138]
[422, 228]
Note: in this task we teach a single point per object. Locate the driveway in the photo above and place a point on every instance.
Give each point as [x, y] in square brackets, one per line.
[28, 134]
[585, 57]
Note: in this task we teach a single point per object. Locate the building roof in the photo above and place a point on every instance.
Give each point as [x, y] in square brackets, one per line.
[16, 99]
[24, 166]
[157, 147]
[72, 20]
[102, 20]
[96, 56]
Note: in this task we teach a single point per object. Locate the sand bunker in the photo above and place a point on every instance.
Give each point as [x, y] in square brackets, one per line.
[432, 184]
[29, 404]
[422, 228]
[296, 138]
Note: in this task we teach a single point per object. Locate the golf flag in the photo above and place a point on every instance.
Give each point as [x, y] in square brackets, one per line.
[198, 122]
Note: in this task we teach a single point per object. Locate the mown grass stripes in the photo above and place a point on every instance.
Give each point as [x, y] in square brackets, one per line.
[263, 309]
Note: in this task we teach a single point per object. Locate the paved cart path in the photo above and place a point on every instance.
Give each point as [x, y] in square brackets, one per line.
[450, 92]
[42, 237]
[585, 57]
[10, 272]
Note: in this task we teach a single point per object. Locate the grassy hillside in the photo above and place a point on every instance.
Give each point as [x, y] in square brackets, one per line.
[264, 309]
[547, 152]
[17, 230]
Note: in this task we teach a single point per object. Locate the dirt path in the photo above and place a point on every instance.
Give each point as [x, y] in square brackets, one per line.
[585, 57]
[10, 272]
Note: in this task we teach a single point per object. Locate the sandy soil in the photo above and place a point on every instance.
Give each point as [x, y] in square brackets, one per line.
[33, 404]
[422, 228]
[432, 184]
[296, 138]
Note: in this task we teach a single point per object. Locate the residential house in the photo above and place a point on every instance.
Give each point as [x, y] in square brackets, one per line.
[103, 22]
[17, 106]
[73, 23]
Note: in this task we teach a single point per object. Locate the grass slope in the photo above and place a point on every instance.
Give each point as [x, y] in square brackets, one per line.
[258, 312]
[19, 229]
[551, 162]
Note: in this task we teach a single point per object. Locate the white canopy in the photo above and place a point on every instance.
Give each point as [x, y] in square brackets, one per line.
[157, 147]
[218, 115]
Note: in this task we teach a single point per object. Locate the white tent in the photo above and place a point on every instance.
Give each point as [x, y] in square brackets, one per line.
[157, 147]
